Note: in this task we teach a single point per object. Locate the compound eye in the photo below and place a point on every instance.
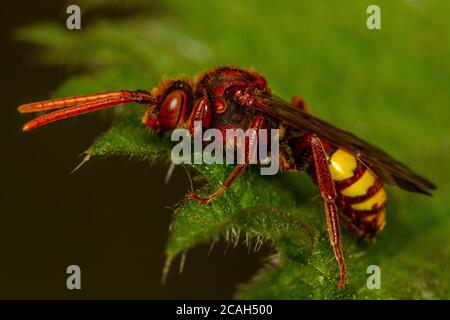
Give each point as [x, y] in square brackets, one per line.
[172, 109]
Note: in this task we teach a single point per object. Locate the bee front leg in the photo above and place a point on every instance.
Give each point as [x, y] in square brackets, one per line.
[237, 171]
[251, 146]
[328, 193]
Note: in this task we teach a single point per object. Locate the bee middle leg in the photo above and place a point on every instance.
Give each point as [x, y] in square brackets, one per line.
[285, 162]
[251, 146]
[300, 103]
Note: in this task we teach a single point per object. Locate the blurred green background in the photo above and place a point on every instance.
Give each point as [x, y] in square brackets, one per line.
[389, 86]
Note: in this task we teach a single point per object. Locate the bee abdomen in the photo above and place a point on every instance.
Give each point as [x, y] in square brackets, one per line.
[361, 195]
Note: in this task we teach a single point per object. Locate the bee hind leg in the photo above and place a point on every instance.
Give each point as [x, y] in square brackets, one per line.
[328, 194]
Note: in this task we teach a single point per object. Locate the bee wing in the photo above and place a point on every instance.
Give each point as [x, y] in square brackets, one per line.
[389, 169]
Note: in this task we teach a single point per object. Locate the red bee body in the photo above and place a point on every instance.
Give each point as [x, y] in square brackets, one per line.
[348, 171]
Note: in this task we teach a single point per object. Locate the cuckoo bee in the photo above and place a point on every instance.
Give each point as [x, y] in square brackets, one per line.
[348, 171]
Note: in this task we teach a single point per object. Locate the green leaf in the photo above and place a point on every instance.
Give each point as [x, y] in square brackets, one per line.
[388, 86]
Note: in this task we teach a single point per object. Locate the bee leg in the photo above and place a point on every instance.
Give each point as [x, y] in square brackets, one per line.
[251, 146]
[285, 162]
[300, 103]
[328, 194]
[237, 171]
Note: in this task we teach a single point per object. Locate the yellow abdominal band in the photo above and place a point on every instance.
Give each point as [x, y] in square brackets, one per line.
[342, 166]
